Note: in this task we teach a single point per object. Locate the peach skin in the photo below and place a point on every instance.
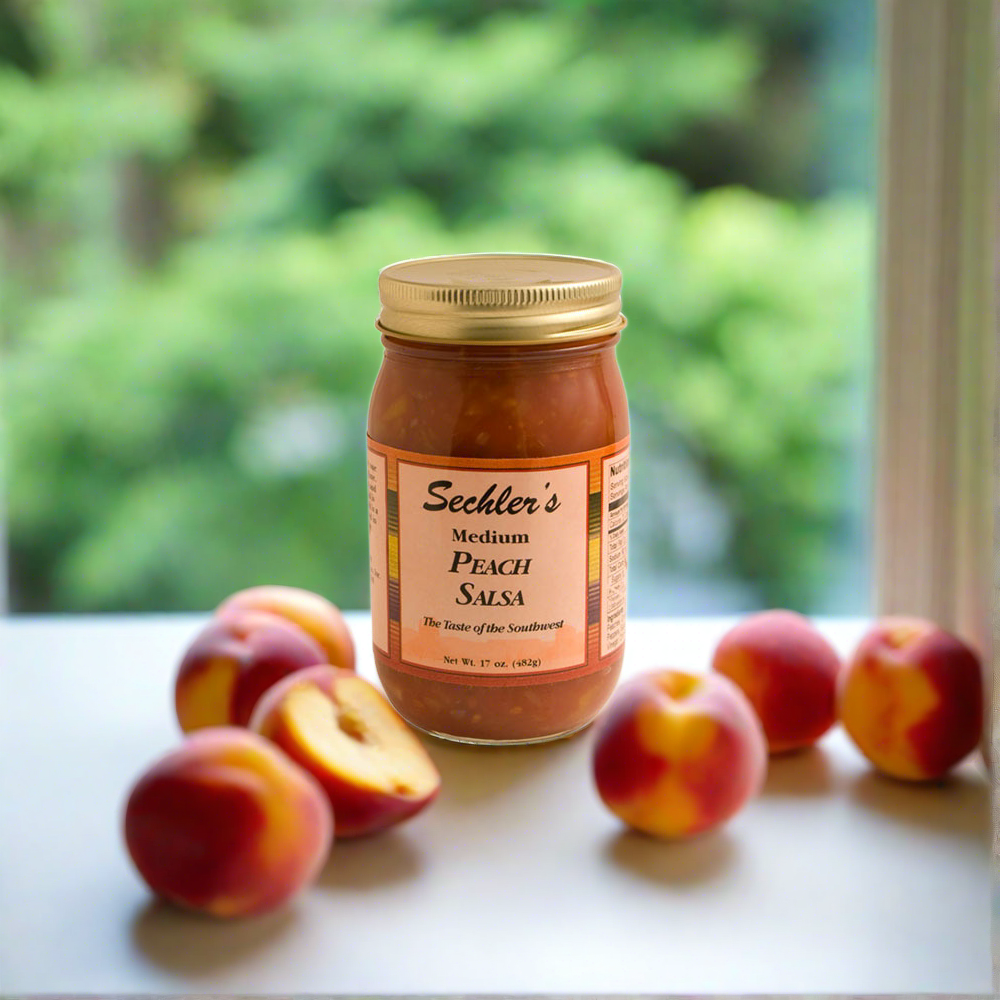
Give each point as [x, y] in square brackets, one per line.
[911, 698]
[347, 736]
[677, 753]
[232, 662]
[311, 612]
[227, 824]
[788, 671]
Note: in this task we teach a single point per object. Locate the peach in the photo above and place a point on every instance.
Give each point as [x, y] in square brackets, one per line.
[911, 698]
[227, 824]
[311, 612]
[678, 753]
[232, 662]
[342, 730]
[788, 671]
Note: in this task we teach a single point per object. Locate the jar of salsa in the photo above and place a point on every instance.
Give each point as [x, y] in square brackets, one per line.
[498, 494]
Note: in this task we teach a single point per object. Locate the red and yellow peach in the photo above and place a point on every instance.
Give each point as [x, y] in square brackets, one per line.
[911, 698]
[232, 662]
[314, 614]
[678, 753]
[227, 824]
[788, 671]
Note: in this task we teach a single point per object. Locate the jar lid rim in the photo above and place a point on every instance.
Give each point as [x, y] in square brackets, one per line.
[500, 298]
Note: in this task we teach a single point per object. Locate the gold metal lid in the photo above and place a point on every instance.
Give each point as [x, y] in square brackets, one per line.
[500, 298]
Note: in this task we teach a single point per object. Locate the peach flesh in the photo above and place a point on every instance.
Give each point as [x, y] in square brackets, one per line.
[342, 730]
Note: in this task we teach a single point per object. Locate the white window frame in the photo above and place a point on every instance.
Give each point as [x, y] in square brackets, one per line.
[936, 462]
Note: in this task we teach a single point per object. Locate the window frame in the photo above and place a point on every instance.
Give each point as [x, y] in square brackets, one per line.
[936, 311]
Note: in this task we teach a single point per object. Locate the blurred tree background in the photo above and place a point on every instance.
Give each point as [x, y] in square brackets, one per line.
[196, 197]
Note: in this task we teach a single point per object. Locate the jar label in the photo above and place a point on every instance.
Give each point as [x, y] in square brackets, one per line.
[495, 571]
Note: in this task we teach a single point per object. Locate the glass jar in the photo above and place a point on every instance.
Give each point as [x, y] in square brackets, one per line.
[498, 494]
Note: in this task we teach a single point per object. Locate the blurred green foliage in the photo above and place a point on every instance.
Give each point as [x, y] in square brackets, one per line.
[197, 196]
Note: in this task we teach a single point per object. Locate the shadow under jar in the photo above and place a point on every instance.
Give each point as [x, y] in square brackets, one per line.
[498, 494]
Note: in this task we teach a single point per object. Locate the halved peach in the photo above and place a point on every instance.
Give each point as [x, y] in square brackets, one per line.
[345, 734]
[312, 613]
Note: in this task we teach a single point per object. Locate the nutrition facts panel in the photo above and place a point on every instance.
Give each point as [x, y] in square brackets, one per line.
[614, 550]
[378, 554]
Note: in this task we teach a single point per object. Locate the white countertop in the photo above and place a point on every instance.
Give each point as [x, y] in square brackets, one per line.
[515, 880]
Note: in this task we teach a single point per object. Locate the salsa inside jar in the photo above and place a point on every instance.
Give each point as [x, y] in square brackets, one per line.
[498, 495]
